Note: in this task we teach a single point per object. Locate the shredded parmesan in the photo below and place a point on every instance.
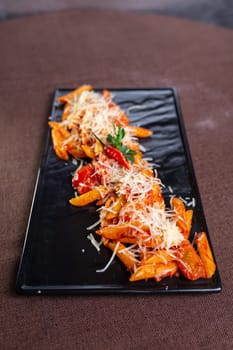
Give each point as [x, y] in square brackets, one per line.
[93, 225]
[94, 242]
[110, 260]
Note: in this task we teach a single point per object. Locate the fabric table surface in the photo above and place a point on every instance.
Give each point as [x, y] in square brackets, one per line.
[118, 50]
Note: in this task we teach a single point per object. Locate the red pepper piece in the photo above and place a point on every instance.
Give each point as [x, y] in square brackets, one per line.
[115, 154]
[84, 179]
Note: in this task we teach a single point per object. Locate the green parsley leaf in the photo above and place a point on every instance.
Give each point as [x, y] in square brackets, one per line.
[116, 141]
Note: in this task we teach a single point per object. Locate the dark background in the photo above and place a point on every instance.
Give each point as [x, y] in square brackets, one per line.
[218, 12]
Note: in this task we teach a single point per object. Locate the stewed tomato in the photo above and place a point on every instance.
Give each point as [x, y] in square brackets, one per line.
[84, 179]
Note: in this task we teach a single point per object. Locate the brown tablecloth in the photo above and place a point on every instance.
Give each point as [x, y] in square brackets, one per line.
[114, 49]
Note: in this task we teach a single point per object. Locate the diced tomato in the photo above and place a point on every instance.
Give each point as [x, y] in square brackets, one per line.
[84, 179]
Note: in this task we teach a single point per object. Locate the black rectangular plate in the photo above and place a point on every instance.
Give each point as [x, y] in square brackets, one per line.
[57, 257]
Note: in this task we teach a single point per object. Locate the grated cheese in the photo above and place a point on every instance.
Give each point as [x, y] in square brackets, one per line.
[94, 242]
[110, 260]
[93, 225]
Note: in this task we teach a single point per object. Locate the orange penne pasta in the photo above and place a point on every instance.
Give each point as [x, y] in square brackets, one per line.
[58, 142]
[189, 261]
[139, 132]
[86, 198]
[157, 272]
[165, 270]
[89, 152]
[66, 111]
[144, 272]
[115, 231]
[129, 240]
[178, 206]
[159, 257]
[205, 253]
[188, 219]
[127, 257]
[116, 208]
[183, 216]
[68, 97]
